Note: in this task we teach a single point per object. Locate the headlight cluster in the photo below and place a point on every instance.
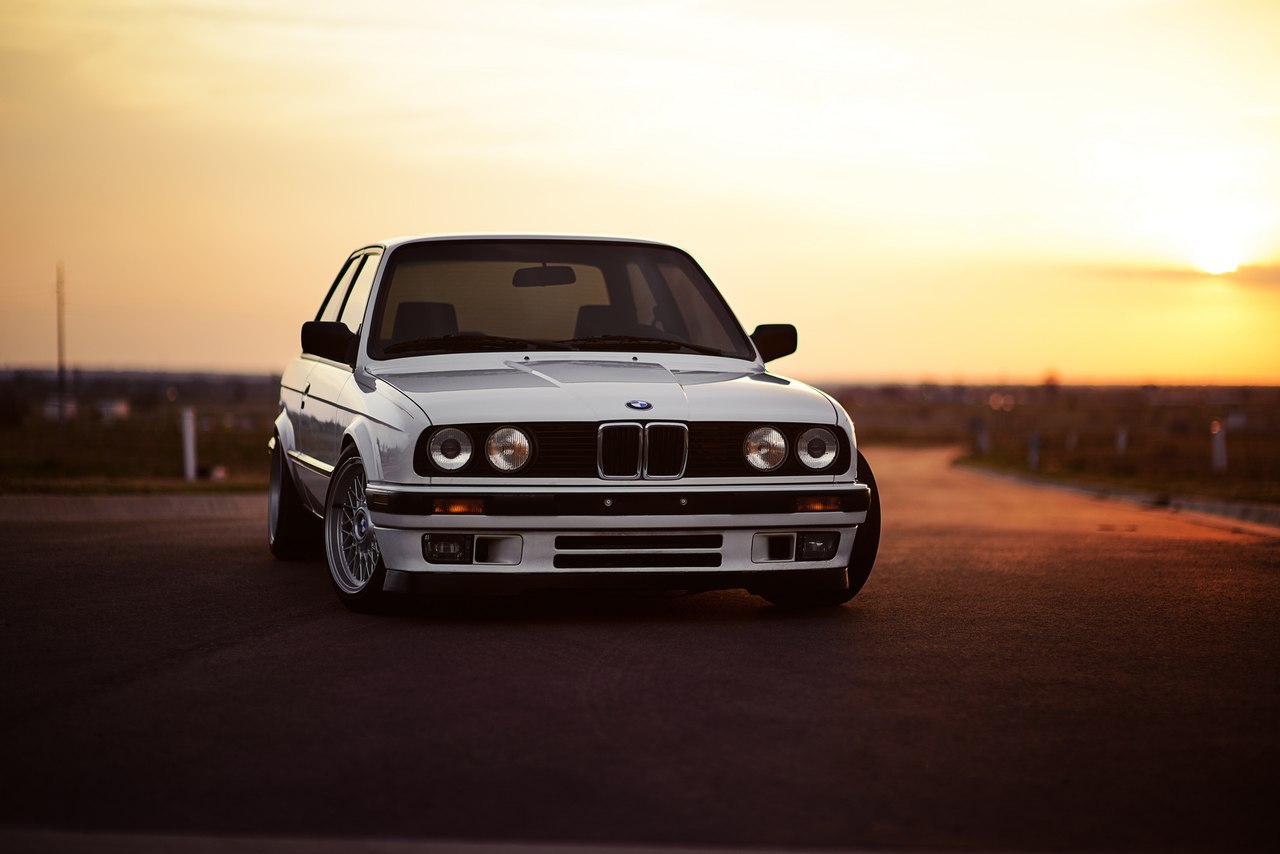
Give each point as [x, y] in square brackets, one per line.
[578, 450]
[508, 449]
[765, 448]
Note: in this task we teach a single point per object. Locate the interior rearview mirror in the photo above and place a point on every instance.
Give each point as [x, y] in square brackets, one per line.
[541, 277]
[774, 340]
[329, 339]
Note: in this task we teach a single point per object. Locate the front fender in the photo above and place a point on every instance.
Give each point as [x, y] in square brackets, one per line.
[845, 422]
[384, 428]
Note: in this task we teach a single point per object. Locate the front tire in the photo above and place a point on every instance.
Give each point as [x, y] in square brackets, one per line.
[293, 531]
[866, 545]
[351, 548]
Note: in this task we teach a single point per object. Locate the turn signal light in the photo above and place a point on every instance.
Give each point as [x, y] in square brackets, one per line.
[458, 505]
[818, 504]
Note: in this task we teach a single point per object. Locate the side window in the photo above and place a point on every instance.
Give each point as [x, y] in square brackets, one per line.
[338, 292]
[353, 312]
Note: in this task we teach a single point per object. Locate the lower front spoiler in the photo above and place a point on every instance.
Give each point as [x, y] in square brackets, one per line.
[487, 583]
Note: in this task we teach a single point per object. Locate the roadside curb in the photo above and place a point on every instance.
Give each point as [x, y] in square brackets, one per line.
[130, 508]
[1257, 514]
[1262, 515]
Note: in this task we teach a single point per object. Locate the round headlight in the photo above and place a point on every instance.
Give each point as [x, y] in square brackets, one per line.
[817, 448]
[507, 449]
[765, 448]
[450, 449]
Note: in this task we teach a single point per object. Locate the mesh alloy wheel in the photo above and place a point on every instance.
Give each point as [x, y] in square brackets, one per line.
[355, 561]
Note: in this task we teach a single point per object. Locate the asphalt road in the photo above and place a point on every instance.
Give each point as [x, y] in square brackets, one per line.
[1026, 669]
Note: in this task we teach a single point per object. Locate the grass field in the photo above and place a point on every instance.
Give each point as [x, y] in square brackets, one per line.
[126, 435]
[1156, 486]
[141, 454]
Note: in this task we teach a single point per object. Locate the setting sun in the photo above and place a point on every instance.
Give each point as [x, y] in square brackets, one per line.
[1224, 239]
[1217, 263]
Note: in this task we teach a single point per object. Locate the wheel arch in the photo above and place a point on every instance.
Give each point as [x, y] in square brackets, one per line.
[287, 441]
[359, 435]
[284, 432]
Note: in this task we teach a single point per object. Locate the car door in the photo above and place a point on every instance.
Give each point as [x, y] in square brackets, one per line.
[324, 419]
[310, 469]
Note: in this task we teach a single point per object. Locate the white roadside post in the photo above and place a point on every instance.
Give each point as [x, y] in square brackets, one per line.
[1219, 442]
[189, 443]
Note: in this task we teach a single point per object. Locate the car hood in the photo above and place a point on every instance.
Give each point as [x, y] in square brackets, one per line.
[584, 390]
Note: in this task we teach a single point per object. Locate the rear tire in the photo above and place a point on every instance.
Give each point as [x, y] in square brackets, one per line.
[351, 548]
[293, 531]
[866, 545]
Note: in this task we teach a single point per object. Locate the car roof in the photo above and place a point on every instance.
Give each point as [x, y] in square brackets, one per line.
[393, 242]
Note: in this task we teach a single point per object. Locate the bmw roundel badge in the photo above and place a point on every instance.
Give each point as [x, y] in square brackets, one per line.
[639, 404]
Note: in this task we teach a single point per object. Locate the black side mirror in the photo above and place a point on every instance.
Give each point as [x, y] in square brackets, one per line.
[329, 339]
[774, 340]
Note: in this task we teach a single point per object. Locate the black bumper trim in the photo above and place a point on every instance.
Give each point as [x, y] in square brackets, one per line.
[514, 583]
[851, 500]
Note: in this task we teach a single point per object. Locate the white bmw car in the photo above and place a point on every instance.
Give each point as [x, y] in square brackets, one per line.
[480, 413]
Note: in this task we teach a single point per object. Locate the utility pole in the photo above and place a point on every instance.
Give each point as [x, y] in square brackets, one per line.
[62, 347]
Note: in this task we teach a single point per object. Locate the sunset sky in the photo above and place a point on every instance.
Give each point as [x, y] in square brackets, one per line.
[976, 191]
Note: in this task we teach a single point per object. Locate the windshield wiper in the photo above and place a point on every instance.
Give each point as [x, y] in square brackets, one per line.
[634, 342]
[471, 343]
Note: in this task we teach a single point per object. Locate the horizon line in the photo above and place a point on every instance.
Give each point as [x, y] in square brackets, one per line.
[1025, 382]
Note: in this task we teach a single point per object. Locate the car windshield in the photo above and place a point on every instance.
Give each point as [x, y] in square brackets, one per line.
[492, 295]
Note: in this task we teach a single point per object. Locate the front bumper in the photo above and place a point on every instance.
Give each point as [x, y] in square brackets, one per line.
[678, 537]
